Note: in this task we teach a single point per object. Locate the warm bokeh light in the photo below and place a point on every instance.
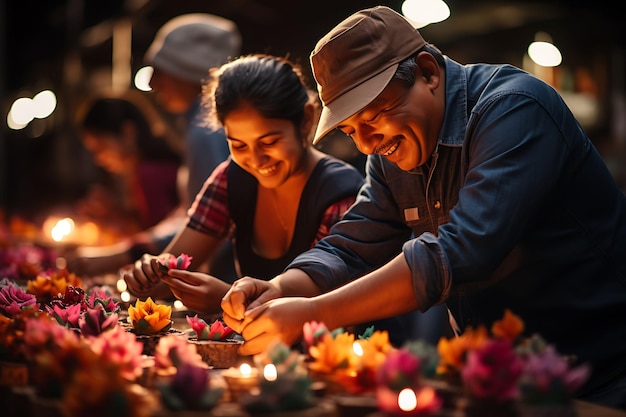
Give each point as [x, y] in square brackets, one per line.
[44, 104]
[178, 305]
[142, 78]
[357, 348]
[21, 112]
[407, 400]
[121, 285]
[269, 372]
[544, 54]
[61, 229]
[424, 12]
[125, 296]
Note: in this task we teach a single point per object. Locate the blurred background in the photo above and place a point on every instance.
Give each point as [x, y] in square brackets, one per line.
[69, 49]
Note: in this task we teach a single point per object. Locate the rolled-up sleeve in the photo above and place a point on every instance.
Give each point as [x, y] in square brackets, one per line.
[429, 271]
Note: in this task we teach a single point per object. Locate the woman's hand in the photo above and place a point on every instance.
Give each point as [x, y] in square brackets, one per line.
[199, 292]
[142, 276]
[280, 319]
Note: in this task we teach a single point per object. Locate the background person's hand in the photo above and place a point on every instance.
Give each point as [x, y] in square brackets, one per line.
[280, 319]
[199, 292]
[246, 293]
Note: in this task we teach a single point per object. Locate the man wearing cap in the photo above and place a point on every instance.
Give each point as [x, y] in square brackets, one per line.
[482, 192]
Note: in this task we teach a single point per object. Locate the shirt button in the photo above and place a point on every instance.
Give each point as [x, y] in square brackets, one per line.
[437, 205]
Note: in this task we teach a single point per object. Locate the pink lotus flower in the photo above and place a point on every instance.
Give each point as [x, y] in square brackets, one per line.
[313, 331]
[168, 262]
[99, 296]
[172, 351]
[401, 369]
[120, 347]
[493, 371]
[96, 320]
[216, 331]
[67, 316]
[13, 299]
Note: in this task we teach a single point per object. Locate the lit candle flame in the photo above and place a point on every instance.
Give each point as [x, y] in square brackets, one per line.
[407, 400]
[357, 348]
[245, 370]
[269, 372]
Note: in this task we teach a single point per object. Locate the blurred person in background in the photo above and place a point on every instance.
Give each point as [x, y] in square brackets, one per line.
[144, 169]
[183, 51]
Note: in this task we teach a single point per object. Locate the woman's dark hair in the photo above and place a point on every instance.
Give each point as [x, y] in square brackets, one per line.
[406, 68]
[272, 85]
[109, 114]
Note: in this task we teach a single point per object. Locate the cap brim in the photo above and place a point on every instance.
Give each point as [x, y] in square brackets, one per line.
[351, 102]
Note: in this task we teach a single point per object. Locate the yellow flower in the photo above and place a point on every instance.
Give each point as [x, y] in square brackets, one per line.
[509, 328]
[331, 354]
[375, 349]
[453, 352]
[150, 318]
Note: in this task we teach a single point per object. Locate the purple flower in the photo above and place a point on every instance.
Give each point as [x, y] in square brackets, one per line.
[548, 377]
[96, 320]
[493, 371]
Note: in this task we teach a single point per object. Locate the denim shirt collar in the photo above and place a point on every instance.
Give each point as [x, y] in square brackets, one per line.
[455, 119]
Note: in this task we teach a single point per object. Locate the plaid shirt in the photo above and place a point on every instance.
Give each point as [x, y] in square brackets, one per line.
[209, 212]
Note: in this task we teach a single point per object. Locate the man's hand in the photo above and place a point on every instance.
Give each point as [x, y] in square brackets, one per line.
[279, 319]
[246, 293]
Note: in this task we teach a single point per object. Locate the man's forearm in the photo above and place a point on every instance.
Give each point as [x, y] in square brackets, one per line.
[295, 283]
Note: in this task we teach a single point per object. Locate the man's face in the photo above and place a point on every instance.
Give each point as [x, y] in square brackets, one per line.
[401, 124]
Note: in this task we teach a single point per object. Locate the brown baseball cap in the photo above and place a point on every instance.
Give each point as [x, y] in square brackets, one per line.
[355, 61]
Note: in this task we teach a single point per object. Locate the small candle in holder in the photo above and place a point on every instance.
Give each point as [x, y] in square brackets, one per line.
[244, 379]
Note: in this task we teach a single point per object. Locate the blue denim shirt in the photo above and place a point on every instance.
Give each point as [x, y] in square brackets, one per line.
[515, 209]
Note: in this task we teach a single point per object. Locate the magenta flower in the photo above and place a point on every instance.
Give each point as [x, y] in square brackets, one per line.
[493, 371]
[66, 316]
[168, 262]
[401, 369]
[172, 351]
[96, 320]
[99, 296]
[216, 331]
[548, 377]
[13, 299]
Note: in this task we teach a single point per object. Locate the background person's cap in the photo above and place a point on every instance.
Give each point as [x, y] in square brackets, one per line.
[188, 45]
[355, 61]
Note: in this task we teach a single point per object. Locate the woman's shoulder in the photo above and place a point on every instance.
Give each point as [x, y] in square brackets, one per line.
[332, 165]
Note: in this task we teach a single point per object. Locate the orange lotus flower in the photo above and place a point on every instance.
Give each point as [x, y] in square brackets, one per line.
[148, 317]
[375, 349]
[333, 353]
[453, 352]
[509, 327]
[46, 287]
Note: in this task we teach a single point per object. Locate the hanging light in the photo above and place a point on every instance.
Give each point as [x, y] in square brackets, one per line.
[424, 12]
[543, 52]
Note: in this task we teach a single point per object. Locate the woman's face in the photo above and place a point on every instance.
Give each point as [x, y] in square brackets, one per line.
[270, 149]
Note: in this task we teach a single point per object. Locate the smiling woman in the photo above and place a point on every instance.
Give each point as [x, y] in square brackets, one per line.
[276, 196]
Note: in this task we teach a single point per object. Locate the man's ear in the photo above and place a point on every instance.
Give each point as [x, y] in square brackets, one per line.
[428, 68]
[307, 123]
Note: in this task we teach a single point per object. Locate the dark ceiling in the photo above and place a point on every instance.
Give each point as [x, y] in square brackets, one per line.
[40, 35]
